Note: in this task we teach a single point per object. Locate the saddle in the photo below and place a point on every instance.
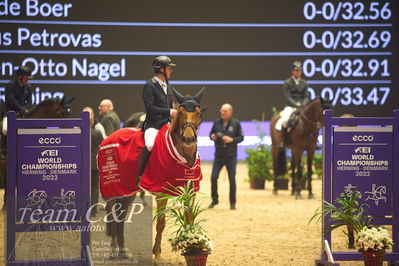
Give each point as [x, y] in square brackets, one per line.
[294, 119]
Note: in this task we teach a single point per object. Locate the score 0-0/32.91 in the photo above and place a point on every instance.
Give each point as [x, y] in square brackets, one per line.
[371, 35]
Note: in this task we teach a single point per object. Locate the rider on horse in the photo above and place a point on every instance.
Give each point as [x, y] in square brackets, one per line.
[157, 97]
[297, 95]
[18, 98]
[18, 93]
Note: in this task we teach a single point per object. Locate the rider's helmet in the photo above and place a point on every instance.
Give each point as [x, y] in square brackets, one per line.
[24, 71]
[296, 65]
[161, 62]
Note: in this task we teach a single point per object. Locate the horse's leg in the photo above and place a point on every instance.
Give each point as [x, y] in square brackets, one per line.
[156, 250]
[142, 196]
[351, 237]
[309, 156]
[275, 152]
[297, 169]
[126, 202]
[293, 183]
[111, 226]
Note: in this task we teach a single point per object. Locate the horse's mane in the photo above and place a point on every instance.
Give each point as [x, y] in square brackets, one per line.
[325, 104]
[45, 102]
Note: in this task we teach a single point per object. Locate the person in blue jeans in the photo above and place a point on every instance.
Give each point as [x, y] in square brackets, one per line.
[226, 133]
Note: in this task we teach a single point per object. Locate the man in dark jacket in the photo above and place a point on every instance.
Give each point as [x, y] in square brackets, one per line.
[96, 139]
[227, 133]
[157, 97]
[18, 93]
[109, 118]
[296, 93]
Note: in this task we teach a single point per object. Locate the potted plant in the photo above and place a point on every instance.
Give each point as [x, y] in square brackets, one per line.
[372, 243]
[370, 240]
[346, 212]
[260, 166]
[189, 237]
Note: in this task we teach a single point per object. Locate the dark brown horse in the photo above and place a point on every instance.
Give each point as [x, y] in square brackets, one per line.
[183, 131]
[48, 108]
[302, 137]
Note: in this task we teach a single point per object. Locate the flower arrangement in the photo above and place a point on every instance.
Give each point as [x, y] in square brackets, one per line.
[191, 241]
[373, 239]
[182, 211]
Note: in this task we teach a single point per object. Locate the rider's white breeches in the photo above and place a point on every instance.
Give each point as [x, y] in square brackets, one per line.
[284, 117]
[149, 137]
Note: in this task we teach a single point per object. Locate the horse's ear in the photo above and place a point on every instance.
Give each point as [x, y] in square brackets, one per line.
[65, 100]
[325, 103]
[198, 97]
[177, 95]
[70, 99]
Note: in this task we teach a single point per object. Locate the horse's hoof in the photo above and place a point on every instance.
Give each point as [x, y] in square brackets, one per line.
[275, 192]
[310, 196]
[113, 254]
[157, 257]
[122, 254]
[298, 197]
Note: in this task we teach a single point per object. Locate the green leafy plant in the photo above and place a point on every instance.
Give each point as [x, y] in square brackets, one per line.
[259, 159]
[346, 212]
[260, 163]
[182, 212]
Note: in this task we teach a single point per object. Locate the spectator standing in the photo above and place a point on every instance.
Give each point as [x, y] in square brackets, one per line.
[109, 118]
[96, 139]
[226, 133]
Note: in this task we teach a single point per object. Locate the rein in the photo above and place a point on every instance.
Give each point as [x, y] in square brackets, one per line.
[315, 123]
[189, 124]
[307, 119]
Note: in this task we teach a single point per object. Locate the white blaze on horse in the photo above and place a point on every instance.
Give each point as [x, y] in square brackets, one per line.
[174, 160]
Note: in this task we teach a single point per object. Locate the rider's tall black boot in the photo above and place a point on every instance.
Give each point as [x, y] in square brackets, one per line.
[145, 154]
[284, 134]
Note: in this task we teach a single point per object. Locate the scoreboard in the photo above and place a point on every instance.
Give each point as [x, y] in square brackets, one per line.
[240, 50]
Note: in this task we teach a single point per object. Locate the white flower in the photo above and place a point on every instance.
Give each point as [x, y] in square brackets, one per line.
[373, 238]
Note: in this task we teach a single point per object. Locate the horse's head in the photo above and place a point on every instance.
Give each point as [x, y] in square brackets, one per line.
[324, 105]
[186, 123]
[313, 111]
[52, 108]
[66, 105]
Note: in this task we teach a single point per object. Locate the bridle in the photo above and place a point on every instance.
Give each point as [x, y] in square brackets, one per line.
[316, 123]
[192, 126]
[189, 106]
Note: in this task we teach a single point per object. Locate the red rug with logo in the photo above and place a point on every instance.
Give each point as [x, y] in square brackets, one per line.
[118, 164]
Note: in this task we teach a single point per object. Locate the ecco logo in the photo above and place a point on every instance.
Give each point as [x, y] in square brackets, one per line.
[363, 138]
[50, 140]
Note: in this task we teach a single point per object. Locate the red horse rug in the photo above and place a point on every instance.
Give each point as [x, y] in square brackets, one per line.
[118, 158]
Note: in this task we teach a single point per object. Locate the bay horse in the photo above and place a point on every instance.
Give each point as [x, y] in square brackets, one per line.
[48, 108]
[174, 160]
[302, 137]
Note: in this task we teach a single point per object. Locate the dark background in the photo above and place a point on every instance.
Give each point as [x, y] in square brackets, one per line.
[249, 101]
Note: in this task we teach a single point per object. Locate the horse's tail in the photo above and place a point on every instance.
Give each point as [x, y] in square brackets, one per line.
[280, 167]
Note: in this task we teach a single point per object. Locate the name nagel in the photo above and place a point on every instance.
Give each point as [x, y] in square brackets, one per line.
[78, 67]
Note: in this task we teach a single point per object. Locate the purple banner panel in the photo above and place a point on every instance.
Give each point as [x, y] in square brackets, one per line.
[255, 133]
[49, 175]
[363, 161]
